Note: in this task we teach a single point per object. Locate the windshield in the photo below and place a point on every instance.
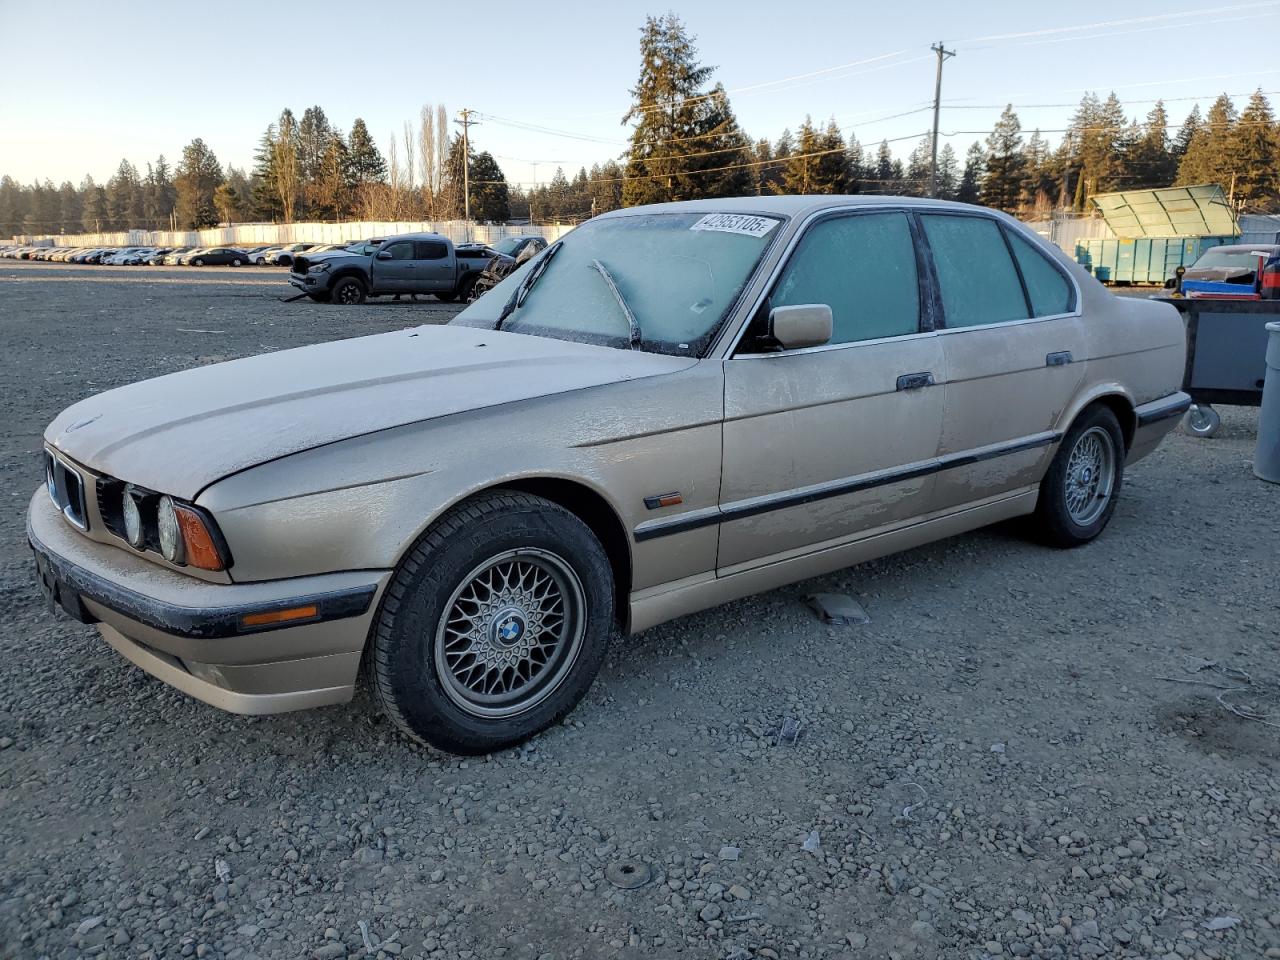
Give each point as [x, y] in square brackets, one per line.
[1243, 260]
[663, 282]
[507, 245]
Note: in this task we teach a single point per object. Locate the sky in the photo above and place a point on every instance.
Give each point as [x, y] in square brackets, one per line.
[550, 80]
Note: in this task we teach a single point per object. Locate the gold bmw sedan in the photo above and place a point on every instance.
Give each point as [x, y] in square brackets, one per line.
[671, 407]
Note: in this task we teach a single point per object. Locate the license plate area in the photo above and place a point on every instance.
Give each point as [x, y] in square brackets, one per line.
[57, 594]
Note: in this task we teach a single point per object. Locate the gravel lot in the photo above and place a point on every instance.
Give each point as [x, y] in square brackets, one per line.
[993, 766]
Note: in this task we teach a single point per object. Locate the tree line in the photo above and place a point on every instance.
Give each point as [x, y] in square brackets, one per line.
[684, 143]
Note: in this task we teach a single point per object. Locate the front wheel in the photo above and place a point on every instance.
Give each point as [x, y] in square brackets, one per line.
[447, 297]
[495, 624]
[1078, 494]
[235, 263]
[198, 263]
[348, 291]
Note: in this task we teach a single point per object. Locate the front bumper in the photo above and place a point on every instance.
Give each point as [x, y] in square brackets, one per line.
[191, 633]
[308, 282]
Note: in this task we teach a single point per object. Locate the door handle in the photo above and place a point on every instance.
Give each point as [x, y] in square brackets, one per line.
[914, 381]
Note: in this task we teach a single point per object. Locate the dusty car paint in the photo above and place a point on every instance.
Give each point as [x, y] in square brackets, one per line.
[333, 460]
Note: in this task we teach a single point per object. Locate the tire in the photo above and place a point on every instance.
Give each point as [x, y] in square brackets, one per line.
[1079, 492]
[348, 291]
[449, 297]
[1201, 421]
[435, 694]
[197, 263]
[235, 263]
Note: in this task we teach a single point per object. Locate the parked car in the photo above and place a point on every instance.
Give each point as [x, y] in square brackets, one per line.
[283, 257]
[670, 407]
[407, 264]
[184, 259]
[174, 256]
[1234, 271]
[218, 257]
[502, 263]
[259, 257]
[156, 256]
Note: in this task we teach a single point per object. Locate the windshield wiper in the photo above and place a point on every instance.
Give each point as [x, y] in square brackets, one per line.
[633, 325]
[517, 299]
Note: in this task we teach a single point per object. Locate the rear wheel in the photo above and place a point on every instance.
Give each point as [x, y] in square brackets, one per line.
[495, 624]
[447, 297]
[235, 263]
[348, 291]
[1079, 492]
[198, 262]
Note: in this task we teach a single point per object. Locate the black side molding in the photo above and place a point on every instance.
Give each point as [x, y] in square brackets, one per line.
[838, 488]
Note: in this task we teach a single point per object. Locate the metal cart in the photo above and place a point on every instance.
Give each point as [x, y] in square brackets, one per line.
[1226, 356]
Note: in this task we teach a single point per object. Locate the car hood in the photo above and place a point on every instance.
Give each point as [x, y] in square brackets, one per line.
[179, 433]
[328, 256]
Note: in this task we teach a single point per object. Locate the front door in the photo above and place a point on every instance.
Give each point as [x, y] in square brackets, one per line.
[825, 443]
[393, 267]
[1014, 346]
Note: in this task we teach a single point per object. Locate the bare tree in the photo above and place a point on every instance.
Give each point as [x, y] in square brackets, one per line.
[395, 177]
[409, 166]
[442, 145]
[284, 151]
[427, 159]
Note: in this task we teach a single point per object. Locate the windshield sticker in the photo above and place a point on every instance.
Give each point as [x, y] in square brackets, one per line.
[736, 223]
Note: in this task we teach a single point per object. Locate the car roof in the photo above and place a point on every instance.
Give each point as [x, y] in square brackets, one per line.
[791, 205]
[414, 236]
[1271, 248]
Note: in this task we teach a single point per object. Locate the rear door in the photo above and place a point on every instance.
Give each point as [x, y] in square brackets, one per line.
[824, 443]
[1014, 347]
[433, 268]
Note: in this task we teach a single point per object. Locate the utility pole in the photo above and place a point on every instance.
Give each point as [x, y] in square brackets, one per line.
[466, 123]
[943, 54]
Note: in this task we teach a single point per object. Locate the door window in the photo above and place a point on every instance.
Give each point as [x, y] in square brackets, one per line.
[864, 268]
[976, 276]
[431, 250]
[1048, 289]
[400, 251]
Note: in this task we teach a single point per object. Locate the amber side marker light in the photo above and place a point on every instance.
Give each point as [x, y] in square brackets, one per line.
[200, 549]
[271, 617]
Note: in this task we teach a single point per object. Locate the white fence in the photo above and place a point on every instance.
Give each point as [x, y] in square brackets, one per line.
[255, 234]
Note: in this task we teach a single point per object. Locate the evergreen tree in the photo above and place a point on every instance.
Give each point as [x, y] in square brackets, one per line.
[686, 142]
[856, 164]
[124, 198]
[971, 180]
[1208, 158]
[1039, 183]
[331, 193]
[882, 178]
[1149, 158]
[262, 182]
[1004, 163]
[367, 165]
[799, 175]
[68, 208]
[13, 206]
[93, 206]
[948, 173]
[919, 167]
[490, 195]
[314, 134]
[1190, 127]
[159, 196]
[606, 186]
[1255, 154]
[199, 175]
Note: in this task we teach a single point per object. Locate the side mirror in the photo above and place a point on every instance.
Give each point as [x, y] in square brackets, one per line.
[383, 254]
[803, 325]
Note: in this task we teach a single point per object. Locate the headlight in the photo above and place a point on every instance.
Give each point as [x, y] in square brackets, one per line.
[189, 537]
[132, 518]
[170, 535]
[319, 268]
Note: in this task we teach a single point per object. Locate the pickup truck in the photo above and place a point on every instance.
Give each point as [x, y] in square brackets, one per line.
[407, 264]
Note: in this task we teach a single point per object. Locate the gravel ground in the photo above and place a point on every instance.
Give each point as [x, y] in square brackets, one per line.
[993, 766]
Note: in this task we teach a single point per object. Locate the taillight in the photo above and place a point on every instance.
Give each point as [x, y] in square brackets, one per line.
[1270, 285]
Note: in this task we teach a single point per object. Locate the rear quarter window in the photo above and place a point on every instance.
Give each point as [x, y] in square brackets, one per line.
[1049, 290]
